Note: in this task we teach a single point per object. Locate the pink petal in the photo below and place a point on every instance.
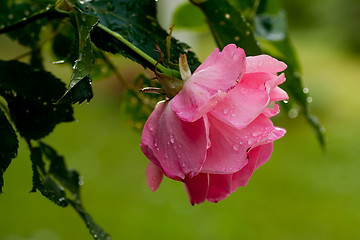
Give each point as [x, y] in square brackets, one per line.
[257, 156]
[277, 94]
[216, 76]
[177, 147]
[154, 176]
[197, 188]
[261, 153]
[264, 63]
[241, 105]
[229, 146]
[219, 187]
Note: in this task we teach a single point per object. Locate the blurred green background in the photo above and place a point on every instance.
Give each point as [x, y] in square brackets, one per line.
[301, 193]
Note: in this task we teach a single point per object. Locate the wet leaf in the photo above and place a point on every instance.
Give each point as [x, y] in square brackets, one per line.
[136, 21]
[228, 25]
[8, 145]
[31, 94]
[271, 31]
[96, 231]
[69, 178]
[43, 182]
[52, 177]
[84, 23]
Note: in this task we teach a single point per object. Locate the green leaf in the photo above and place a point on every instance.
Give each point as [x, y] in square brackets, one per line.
[228, 25]
[247, 7]
[69, 178]
[80, 92]
[96, 231]
[43, 182]
[51, 177]
[18, 20]
[271, 31]
[83, 23]
[190, 17]
[8, 146]
[31, 94]
[136, 22]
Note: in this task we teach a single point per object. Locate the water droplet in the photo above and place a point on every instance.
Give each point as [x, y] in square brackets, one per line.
[247, 33]
[11, 16]
[179, 156]
[226, 111]
[180, 145]
[208, 144]
[166, 155]
[309, 99]
[172, 140]
[227, 16]
[306, 90]
[27, 13]
[251, 141]
[255, 134]
[285, 101]
[151, 128]
[237, 38]
[236, 147]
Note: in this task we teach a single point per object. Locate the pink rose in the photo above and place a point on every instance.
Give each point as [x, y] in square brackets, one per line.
[216, 131]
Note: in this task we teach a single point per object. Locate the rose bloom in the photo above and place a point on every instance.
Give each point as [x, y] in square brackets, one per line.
[217, 130]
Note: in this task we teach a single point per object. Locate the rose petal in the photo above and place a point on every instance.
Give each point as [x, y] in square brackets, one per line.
[241, 105]
[264, 63]
[154, 176]
[176, 146]
[216, 76]
[219, 187]
[229, 146]
[257, 156]
[197, 188]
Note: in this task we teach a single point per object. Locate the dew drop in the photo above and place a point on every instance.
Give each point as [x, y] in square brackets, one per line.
[247, 33]
[251, 141]
[255, 134]
[306, 90]
[237, 38]
[227, 16]
[166, 155]
[226, 111]
[236, 147]
[309, 99]
[172, 140]
[11, 16]
[285, 101]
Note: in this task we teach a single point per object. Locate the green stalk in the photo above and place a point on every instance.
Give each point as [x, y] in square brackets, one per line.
[161, 68]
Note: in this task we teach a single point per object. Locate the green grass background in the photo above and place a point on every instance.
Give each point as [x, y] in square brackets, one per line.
[301, 193]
